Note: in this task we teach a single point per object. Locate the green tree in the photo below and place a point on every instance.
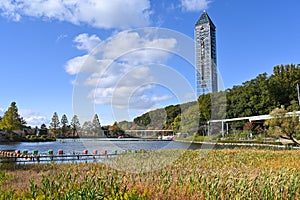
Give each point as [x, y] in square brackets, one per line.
[87, 128]
[64, 125]
[176, 123]
[75, 125]
[252, 98]
[143, 120]
[125, 125]
[204, 104]
[294, 106]
[284, 125]
[11, 119]
[190, 119]
[283, 82]
[43, 130]
[54, 124]
[96, 126]
[172, 112]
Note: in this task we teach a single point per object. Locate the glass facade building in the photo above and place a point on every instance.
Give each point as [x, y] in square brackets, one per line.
[206, 57]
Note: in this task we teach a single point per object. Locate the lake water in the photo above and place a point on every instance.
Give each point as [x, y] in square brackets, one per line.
[70, 146]
[73, 148]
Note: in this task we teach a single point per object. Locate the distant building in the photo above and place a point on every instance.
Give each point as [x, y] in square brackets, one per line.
[206, 57]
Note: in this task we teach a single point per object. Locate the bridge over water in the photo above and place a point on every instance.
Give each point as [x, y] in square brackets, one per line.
[148, 133]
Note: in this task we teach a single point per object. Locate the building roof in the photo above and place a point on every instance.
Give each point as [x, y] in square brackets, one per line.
[204, 19]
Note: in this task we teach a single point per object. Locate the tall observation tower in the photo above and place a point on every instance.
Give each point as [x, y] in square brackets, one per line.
[206, 57]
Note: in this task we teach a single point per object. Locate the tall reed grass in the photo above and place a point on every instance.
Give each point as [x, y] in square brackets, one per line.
[217, 174]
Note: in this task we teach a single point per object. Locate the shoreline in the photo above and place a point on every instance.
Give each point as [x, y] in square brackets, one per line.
[221, 144]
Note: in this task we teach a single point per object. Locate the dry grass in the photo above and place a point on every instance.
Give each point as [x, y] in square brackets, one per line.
[217, 174]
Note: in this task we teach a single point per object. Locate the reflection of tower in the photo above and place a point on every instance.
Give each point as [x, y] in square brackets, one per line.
[206, 58]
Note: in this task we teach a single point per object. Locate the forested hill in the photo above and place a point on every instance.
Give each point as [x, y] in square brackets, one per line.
[255, 97]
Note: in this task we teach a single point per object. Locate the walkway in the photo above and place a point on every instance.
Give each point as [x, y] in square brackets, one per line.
[251, 119]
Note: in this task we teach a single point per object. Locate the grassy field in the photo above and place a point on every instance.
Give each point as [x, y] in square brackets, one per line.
[168, 174]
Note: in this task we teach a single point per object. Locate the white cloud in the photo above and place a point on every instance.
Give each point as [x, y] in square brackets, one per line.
[132, 43]
[97, 13]
[106, 78]
[33, 118]
[74, 65]
[86, 42]
[34, 121]
[126, 47]
[8, 10]
[122, 89]
[129, 47]
[161, 98]
[130, 92]
[118, 68]
[194, 5]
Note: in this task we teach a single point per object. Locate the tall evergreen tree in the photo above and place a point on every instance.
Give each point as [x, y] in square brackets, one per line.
[96, 126]
[64, 125]
[75, 125]
[11, 119]
[54, 125]
[86, 128]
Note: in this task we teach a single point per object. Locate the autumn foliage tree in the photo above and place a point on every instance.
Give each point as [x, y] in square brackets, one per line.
[115, 130]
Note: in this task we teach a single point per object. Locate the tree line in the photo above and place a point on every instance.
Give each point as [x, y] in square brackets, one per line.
[93, 128]
[59, 127]
[62, 127]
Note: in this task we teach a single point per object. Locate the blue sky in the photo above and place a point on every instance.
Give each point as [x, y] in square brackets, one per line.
[91, 56]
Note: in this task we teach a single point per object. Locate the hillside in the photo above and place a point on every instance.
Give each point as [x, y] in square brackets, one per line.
[254, 97]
